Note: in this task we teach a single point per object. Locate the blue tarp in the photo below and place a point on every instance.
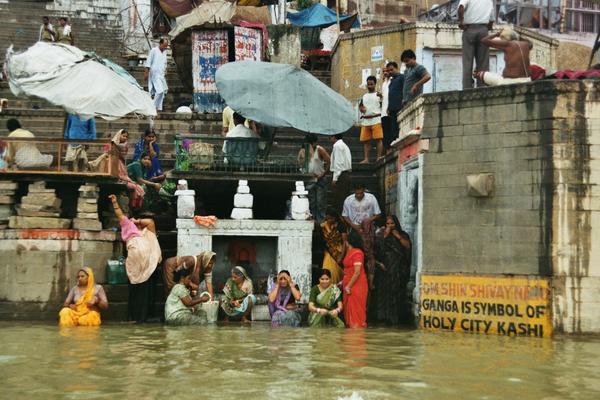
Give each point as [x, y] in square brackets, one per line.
[318, 16]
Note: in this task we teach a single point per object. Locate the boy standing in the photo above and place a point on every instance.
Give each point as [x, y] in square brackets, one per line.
[370, 107]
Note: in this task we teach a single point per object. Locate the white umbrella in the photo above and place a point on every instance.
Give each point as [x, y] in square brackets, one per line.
[77, 81]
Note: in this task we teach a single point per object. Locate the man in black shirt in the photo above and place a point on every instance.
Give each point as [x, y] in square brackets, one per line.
[394, 103]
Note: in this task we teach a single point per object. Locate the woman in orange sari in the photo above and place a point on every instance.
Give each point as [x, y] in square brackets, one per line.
[81, 307]
[355, 283]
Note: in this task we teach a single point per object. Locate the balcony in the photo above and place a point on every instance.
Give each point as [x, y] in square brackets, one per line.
[212, 156]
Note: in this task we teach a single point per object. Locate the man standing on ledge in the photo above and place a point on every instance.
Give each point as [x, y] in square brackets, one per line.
[475, 18]
[415, 76]
[155, 70]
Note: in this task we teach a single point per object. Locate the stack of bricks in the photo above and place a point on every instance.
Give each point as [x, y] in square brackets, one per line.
[87, 209]
[7, 201]
[40, 209]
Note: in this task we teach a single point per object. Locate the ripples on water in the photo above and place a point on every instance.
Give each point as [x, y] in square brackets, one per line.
[257, 362]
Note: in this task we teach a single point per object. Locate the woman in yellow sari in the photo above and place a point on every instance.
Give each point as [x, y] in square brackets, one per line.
[334, 251]
[81, 307]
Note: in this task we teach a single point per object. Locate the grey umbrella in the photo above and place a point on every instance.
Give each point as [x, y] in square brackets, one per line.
[281, 95]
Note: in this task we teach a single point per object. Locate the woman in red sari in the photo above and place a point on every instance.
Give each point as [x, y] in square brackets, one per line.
[355, 283]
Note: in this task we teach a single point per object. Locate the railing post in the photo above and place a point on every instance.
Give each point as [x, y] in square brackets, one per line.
[58, 167]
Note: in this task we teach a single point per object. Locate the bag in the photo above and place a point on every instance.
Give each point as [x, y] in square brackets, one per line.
[116, 274]
[201, 155]
[211, 308]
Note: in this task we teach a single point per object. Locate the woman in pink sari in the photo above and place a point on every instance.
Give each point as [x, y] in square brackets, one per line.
[115, 153]
[118, 150]
[356, 288]
[143, 256]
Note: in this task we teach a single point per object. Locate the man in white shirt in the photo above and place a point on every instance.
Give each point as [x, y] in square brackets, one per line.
[475, 18]
[155, 70]
[370, 107]
[361, 209]
[240, 131]
[341, 165]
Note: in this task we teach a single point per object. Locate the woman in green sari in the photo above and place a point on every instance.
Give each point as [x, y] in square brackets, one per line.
[237, 295]
[325, 303]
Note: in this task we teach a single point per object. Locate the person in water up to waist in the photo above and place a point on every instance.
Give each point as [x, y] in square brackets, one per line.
[282, 301]
[238, 299]
[180, 307]
[82, 305]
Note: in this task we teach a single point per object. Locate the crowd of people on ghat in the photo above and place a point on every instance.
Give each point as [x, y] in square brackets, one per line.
[363, 276]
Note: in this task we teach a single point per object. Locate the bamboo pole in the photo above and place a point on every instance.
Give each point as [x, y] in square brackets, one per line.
[337, 15]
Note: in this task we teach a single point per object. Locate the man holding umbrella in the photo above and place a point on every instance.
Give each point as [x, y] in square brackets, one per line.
[155, 70]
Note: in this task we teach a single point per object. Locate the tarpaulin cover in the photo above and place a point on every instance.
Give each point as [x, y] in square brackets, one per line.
[176, 8]
[219, 12]
[282, 95]
[318, 16]
[76, 81]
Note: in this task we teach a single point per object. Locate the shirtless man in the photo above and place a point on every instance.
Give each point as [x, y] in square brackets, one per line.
[516, 58]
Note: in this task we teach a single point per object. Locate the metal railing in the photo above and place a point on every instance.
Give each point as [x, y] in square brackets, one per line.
[56, 156]
[203, 153]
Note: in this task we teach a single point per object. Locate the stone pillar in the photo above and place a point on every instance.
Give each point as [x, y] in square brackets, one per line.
[294, 253]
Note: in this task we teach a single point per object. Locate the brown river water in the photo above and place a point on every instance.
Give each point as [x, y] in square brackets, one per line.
[256, 362]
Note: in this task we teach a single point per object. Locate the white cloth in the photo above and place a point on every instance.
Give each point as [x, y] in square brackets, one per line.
[67, 30]
[57, 73]
[157, 63]
[26, 155]
[159, 97]
[316, 165]
[241, 131]
[492, 79]
[478, 11]
[373, 104]
[385, 92]
[341, 159]
[357, 211]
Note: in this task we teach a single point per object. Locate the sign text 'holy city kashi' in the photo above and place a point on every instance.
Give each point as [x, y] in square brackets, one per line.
[512, 306]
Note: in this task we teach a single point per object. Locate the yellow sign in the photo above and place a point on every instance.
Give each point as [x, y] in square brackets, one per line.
[511, 306]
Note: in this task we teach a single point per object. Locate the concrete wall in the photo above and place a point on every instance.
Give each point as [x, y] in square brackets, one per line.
[38, 267]
[284, 44]
[431, 42]
[541, 143]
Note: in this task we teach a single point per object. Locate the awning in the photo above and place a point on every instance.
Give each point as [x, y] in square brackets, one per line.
[319, 16]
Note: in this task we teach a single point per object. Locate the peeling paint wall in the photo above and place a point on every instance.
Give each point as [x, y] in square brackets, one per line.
[284, 44]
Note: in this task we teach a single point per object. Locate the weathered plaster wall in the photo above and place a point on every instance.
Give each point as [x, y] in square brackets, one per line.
[38, 267]
[284, 44]
[541, 142]
[437, 46]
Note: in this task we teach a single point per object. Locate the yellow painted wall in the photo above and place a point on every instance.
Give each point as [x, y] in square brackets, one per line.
[503, 305]
[354, 55]
[352, 52]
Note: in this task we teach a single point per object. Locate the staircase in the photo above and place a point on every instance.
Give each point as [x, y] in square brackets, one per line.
[21, 21]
